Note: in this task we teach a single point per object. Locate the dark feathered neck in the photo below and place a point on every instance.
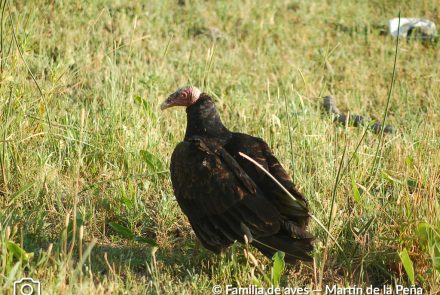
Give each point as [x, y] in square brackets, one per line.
[203, 120]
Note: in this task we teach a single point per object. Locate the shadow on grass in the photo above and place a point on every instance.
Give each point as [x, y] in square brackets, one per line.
[143, 260]
[365, 260]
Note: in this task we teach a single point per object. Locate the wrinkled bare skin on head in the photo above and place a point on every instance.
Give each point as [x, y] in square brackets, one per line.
[185, 96]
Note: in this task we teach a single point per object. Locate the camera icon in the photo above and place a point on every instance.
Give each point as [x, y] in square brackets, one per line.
[27, 286]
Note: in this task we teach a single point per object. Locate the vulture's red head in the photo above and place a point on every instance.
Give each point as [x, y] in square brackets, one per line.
[185, 96]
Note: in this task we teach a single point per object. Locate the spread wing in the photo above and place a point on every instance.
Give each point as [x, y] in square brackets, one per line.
[219, 198]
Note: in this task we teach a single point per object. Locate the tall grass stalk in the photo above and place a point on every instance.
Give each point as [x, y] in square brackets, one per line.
[379, 148]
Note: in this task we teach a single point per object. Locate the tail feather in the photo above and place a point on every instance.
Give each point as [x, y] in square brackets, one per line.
[294, 249]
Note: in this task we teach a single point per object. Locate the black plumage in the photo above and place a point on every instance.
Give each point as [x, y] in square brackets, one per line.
[226, 197]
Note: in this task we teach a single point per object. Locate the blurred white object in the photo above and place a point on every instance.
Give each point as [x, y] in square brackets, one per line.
[427, 27]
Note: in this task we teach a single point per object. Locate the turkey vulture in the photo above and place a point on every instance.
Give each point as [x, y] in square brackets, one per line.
[226, 197]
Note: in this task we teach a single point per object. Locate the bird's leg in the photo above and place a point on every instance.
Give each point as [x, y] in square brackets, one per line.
[196, 249]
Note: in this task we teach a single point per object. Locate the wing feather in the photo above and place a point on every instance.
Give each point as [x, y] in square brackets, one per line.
[295, 217]
[217, 195]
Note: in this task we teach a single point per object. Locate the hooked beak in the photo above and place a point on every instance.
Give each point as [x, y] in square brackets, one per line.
[166, 104]
[173, 100]
[169, 102]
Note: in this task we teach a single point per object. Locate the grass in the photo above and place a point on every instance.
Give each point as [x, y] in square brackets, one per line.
[86, 201]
